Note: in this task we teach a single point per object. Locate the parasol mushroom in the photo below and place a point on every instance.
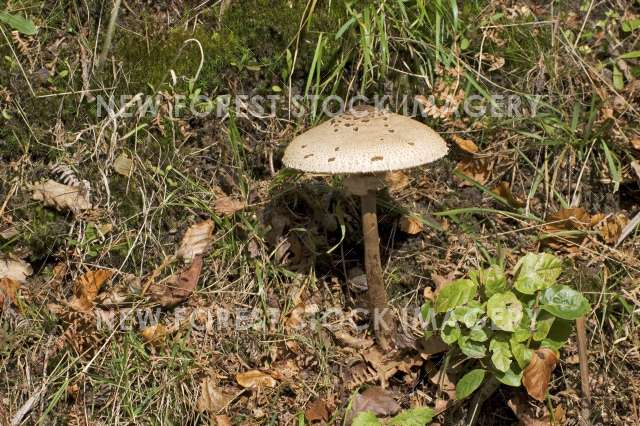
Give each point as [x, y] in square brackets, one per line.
[363, 144]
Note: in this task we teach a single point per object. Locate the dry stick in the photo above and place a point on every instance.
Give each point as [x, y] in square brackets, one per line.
[376, 290]
[109, 35]
[584, 366]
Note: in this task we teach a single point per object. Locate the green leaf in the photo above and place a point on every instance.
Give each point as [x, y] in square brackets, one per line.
[630, 25]
[469, 383]
[544, 321]
[478, 334]
[509, 377]
[366, 418]
[454, 294]
[618, 78]
[558, 335]
[419, 416]
[464, 43]
[634, 54]
[471, 348]
[18, 23]
[426, 309]
[521, 353]
[564, 302]
[450, 332]
[523, 331]
[536, 272]
[501, 353]
[492, 278]
[505, 310]
[467, 315]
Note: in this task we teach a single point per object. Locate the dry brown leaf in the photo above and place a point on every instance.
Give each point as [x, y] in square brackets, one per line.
[537, 375]
[377, 400]
[15, 269]
[255, 379]
[411, 225]
[212, 399]
[296, 319]
[87, 287]
[610, 228]
[226, 206]
[317, 411]
[352, 341]
[9, 289]
[62, 197]
[504, 190]
[179, 287]
[155, 334]
[196, 240]
[478, 169]
[123, 165]
[465, 144]
[635, 165]
[635, 142]
[222, 420]
[396, 180]
[443, 380]
[570, 219]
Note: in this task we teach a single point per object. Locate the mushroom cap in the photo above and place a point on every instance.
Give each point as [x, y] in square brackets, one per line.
[365, 140]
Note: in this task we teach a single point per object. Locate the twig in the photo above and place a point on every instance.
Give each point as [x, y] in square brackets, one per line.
[583, 357]
[109, 35]
[24, 410]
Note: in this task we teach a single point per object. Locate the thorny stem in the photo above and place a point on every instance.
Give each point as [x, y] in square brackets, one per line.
[376, 290]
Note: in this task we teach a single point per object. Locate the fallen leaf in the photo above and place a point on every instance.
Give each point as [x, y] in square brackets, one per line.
[504, 190]
[87, 287]
[635, 165]
[570, 219]
[154, 334]
[15, 269]
[478, 169]
[465, 144]
[396, 180]
[296, 319]
[526, 413]
[495, 62]
[317, 411]
[196, 240]
[377, 400]
[443, 380]
[123, 165]
[62, 197]
[226, 206]
[255, 379]
[9, 289]
[178, 287]
[411, 225]
[212, 399]
[537, 375]
[635, 142]
[354, 342]
[223, 420]
[610, 228]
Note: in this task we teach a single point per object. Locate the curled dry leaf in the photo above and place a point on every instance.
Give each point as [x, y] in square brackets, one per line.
[62, 197]
[255, 379]
[222, 420]
[396, 180]
[635, 142]
[352, 341]
[571, 219]
[610, 228]
[212, 398]
[411, 225]
[466, 145]
[537, 375]
[478, 169]
[377, 400]
[179, 287]
[8, 290]
[296, 319]
[504, 190]
[87, 287]
[196, 240]
[226, 206]
[123, 165]
[15, 269]
[155, 334]
[317, 411]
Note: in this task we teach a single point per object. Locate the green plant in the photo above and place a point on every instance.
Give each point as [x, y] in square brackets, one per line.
[419, 416]
[499, 322]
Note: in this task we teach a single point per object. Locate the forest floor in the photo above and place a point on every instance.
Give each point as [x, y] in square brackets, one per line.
[108, 318]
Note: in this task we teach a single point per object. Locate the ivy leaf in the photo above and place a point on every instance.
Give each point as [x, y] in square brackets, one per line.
[558, 334]
[478, 334]
[505, 310]
[471, 348]
[454, 294]
[420, 416]
[521, 353]
[366, 418]
[564, 302]
[544, 321]
[523, 331]
[492, 278]
[510, 377]
[450, 332]
[469, 383]
[536, 272]
[18, 23]
[467, 315]
[501, 354]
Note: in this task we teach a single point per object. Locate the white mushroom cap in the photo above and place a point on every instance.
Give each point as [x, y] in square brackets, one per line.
[365, 140]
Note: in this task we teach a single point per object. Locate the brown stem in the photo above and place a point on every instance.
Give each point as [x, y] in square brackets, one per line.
[382, 318]
[584, 366]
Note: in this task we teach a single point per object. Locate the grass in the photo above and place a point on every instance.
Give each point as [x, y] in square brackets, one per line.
[574, 151]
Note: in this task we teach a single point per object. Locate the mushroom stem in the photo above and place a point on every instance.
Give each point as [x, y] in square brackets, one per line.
[382, 319]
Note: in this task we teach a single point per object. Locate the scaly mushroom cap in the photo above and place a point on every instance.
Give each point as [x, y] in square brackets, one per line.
[366, 140]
